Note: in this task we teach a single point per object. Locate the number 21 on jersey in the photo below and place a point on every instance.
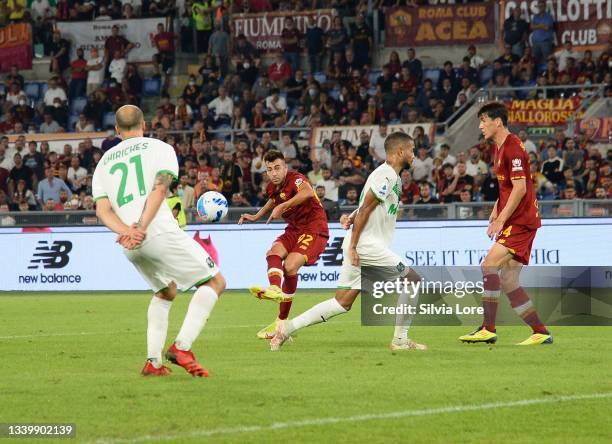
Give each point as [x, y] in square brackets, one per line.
[123, 169]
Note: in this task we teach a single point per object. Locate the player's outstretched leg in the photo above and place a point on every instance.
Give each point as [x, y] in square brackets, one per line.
[321, 312]
[522, 305]
[400, 340]
[157, 329]
[273, 292]
[200, 307]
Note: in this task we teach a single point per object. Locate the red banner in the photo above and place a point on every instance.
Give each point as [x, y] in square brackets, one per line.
[598, 129]
[542, 112]
[15, 47]
[263, 30]
[440, 25]
[588, 24]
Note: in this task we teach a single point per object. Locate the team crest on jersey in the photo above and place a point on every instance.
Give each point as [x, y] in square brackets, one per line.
[516, 165]
[283, 196]
[298, 182]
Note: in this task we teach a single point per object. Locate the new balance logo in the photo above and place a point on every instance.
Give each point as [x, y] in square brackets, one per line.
[51, 256]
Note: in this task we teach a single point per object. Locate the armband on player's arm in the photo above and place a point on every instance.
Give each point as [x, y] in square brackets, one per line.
[362, 216]
[163, 179]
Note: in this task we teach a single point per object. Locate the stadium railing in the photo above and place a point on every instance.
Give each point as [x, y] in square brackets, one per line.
[549, 209]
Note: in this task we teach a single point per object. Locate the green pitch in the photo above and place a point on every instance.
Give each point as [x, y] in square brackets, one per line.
[76, 358]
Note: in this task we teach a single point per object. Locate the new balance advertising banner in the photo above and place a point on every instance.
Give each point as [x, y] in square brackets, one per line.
[440, 25]
[351, 133]
[599, 129]
[587, 23]
[87, 258]
[16, 46]
[263, 30]
[542, 112]
[87, 35]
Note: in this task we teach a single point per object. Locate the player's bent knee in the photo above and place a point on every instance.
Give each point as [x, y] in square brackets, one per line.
[168, 293]
[217, 283]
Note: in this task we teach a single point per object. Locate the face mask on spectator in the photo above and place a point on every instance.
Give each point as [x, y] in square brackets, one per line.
[22, 102]
[246, 65]
[57, 104]
[312, 92]
[192, 82]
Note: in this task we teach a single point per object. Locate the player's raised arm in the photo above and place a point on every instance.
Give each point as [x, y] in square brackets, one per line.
[304, 193]
[255, 217]
[370, 203]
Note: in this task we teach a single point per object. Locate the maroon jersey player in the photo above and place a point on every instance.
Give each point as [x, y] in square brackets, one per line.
[291, 197]
[513, 224]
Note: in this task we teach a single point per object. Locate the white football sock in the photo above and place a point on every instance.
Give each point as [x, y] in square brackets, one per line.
[319, 313]
[157, 329]
[403, 320]
[202, 303]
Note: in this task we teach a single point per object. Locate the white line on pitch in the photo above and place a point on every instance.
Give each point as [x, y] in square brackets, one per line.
[356, 418]
[102, 333]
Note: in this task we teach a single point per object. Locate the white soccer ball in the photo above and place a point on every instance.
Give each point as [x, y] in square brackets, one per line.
[212, 206]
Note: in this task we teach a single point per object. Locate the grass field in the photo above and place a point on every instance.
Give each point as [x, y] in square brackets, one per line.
[76, 358]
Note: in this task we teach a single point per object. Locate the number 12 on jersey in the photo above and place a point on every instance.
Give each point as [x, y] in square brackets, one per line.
[123, 168]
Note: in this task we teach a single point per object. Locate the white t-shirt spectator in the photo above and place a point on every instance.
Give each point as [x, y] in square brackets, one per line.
[421, 169]
[53, 93]
[288, 151]
[39, 8]
[323, 155]
[562, 57]
[331, 189]
[258, 165]
[52, 127]
[75, 176]
[450, 159]
[377, 142]
[279, 107]
[95, 77]
[14, 98]
[222, 106]
[474, 169]
[117, 69]
[86, 127]
[530, 147]
[476, 61]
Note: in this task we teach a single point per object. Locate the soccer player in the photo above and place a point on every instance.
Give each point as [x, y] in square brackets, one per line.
[367, 244]
[130, 185]
[291, 197]
[513, 224]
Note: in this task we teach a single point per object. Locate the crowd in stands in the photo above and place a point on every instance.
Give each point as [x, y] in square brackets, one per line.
[334, 84]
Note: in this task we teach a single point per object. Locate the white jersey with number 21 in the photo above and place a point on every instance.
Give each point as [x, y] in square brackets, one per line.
[126, 175]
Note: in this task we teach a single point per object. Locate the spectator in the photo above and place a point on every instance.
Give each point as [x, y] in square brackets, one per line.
[164, 43]
[117, 67]
[414, 65]
[50, 188]
[332, 210]
[53, 92]
[507, 60]
[78, 84]
[60, 54]
[219, 47]
[516, 32]
[422, 166]
[23, 194]
[238, 200]
[314, 44]
[290, 41]
[467, 72]
[475, 60]
[95, 71]
[231, 175]
[465, 212]
[565, 54]
[425, 198]
[542, 26]
[288, 147]
[552, 167]
[377, 144]
[76, 173]
[14, 77]
[114, 43]
[490, 186]
[528, 144]
[202, 17]
[35, 160]
[20, 172]
[223, 107]
[279, 72]
[14, 93]
[410, 189]
[475, 166]
[336, 37]
[330, 184]
[572, 157]
[362, 42]
[186, 192]
[276, 104]
[49, 125]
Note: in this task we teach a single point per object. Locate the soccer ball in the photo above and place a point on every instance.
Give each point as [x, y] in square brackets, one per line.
[212, 206]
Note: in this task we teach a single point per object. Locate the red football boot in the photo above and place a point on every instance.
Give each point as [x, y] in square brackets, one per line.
[150, 370]
[187, 360]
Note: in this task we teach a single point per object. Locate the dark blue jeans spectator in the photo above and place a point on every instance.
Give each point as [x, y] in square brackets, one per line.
[293, 58]
[77, 88]
[315, 62]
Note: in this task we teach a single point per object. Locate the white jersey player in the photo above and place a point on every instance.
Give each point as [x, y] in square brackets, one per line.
[368, 243]
[129, 186]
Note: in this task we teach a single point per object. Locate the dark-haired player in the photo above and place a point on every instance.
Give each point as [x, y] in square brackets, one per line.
[291, 197]
[513, 224]
[367, 243]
